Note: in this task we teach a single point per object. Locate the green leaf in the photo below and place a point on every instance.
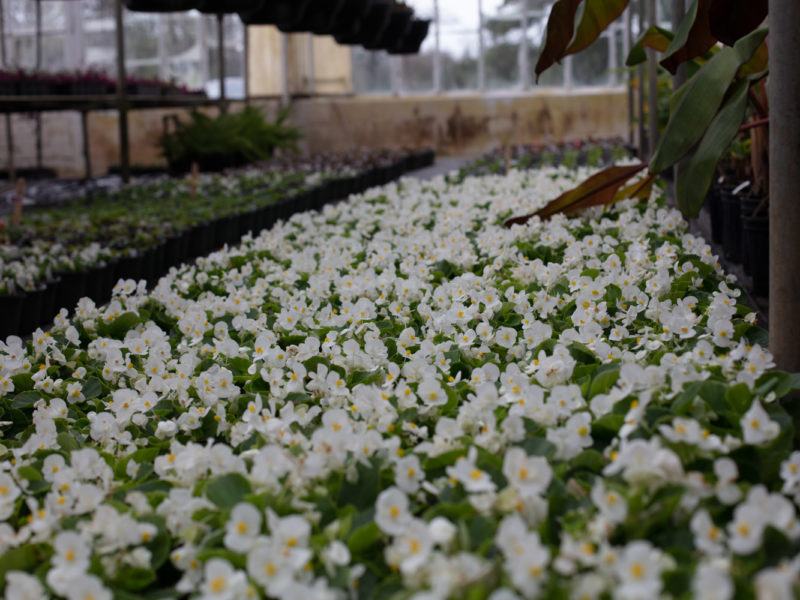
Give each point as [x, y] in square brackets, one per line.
[227, 490]
[701, 102]
[560, 27]
[604, 379]
[119, 326]
[738, 398]
[538, 446]
[692, 39]
[597, 15]
[24, 558]
[134, 578]
[695, 178]
[25, 399]
[92, 388]
[363, 538]
[67, 441]
[656, 38]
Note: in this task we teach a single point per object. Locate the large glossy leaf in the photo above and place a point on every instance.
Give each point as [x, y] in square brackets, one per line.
[758, 63]
[560, 27]
[693, 37]
[656, 38]
[731, 20]
[694, 179]
[701, 101]
[597, 15]
[638, 189]
[600, 188]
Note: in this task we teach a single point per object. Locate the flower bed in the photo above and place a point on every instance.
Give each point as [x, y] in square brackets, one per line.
[397, 398]
[84, 247]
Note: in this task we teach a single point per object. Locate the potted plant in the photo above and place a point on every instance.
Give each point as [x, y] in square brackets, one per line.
[399, 24]
[275, 12]
[348, 20]
[370, 27]
[159, 5]
[9, 82]
[411, 42]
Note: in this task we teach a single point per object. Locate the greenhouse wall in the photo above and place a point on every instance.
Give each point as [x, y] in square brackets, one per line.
[455, 125]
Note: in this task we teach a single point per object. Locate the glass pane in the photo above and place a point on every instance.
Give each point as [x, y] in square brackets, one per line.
[141, 37]
[501, 38]
[590, 67]
[459, 60]
[371, 72]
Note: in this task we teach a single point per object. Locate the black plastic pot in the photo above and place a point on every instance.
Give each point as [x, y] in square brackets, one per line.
[731, 226]
[747, 208]
[398, 26]
[411, 42]
[72, 289]
[9, 88]
[31, 314]
[10, 313]
[755, 236]
[49, 308]
[200, 239]
[714, 205]
[130, 267]
[159, 5]
[96, 283]
[172, 252]
[283, 13]
[225, 6]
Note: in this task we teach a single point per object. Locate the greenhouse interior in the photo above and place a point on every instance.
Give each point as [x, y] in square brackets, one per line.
[399, 299]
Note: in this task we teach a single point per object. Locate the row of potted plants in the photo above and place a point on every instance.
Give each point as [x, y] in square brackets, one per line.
[579, 153]
[399, 398]
[61, 254]
[83, 83]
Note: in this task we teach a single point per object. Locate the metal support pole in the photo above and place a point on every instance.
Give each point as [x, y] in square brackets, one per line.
[285, 92]
[612, 54]
[39, 160]
[652, 81]
[246, 64]
[481, 50]
[437, 57]
[784, 185]
[162, 26]
[626, 46]
[221, 56]
[312, 76]
[643, 146]
[122, 96]
[87, 157]
[524, 70]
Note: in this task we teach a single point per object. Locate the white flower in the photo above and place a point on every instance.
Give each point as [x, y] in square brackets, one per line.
[711, 583]
[22, 586]
[408, 474]
[611, 504]
[708, 538]
[746, 529]
[242, 528]
[391, 511]
[469, 475]
[639, 570]
[529, 474]
[221, 581]
[442, 530]
[757, 427]
[87, 586]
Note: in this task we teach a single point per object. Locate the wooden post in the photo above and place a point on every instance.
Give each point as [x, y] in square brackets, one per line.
[16, 215]
[784, 185]
[122, 97]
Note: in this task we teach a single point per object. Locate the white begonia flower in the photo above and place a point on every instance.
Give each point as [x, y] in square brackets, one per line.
[757, 427]
[790, 473]
[87, 586]
[611, 504]
[442, 531]
[747, 529]
[529, 474]
[469, 475]
[242, 528]
[336, 554]
[708, 538]
[639, 569]
[391, 511]
[222, 582]
[23, 586]
[269, 567]
[9, 492]
[710, 582]
[408, 474]
[411, 547]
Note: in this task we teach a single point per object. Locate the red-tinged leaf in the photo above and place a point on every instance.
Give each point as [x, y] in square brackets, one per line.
[599, 189]
[560, 27]
[656, 38]
[638, 189]
[597, 15]
[693, 37]
[731, 20]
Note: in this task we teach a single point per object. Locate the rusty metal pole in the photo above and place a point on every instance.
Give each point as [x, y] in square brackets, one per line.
[784, 185]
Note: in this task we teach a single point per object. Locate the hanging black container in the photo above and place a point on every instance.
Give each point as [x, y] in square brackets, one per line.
[398, 26]
[755, 236]
[371, 26]
[348, 20]
[283, 13]
[219, 7]
[731, 226]
[412, 40]
[10, 312]
[159, 5]
[319, 15]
